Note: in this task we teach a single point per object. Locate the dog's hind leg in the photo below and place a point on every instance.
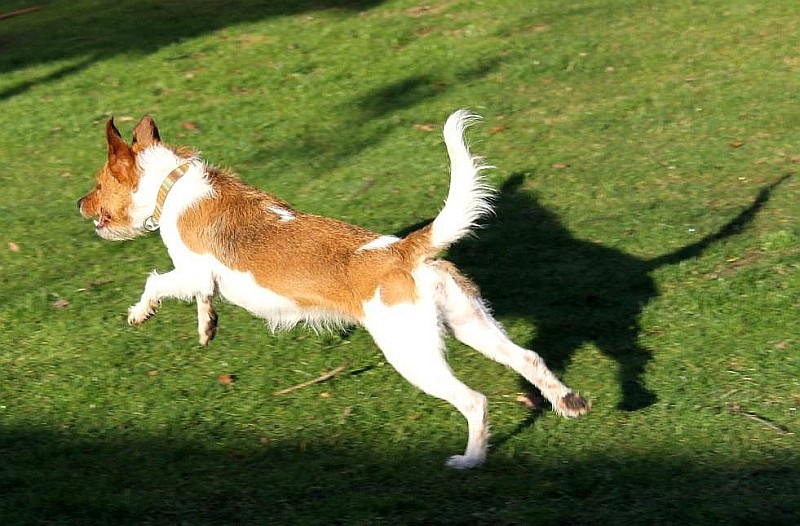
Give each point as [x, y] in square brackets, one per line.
[410, 337]
[471, 322]
[206, 318]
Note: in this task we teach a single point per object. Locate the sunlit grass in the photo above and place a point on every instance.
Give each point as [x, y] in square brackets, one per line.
[628, 138]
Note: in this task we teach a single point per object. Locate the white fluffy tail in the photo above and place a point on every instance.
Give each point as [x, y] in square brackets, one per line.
[468, 199]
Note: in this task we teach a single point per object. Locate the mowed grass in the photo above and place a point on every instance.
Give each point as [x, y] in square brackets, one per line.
[645, 243]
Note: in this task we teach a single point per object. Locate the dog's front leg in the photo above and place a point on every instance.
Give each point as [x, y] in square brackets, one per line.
[206, 318]
[173, 284]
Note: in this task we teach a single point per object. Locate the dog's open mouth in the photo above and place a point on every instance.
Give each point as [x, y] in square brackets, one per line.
[102, 221]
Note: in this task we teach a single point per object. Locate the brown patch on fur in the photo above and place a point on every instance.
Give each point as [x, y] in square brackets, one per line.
[121, 162]
[398, 287]
[312, 260]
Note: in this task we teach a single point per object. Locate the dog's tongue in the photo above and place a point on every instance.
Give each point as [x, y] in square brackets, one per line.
[101, 221]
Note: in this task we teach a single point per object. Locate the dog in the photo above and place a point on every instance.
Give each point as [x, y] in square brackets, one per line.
[290, 267]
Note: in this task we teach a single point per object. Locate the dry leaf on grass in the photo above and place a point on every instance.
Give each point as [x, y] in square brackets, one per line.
[424, 127]
[527, 401]
[13, 247]
[226, 379]
[60, 303]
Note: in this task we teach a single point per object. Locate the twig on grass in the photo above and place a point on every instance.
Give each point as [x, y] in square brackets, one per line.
[736, 409]
[319, 379]
[20, 12]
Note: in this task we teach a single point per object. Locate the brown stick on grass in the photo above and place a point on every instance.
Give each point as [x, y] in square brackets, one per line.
[319, 379]
[19, 12]
[736, 409]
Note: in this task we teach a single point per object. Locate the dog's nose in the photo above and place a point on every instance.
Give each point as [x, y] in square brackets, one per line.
[80, 201]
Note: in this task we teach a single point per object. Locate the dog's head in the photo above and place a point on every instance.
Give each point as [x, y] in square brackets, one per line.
[111, 199]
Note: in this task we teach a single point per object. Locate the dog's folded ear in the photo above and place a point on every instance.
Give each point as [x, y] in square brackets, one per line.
[120, 156]
[145, 134]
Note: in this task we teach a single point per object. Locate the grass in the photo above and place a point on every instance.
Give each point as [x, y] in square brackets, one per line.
[646, 243]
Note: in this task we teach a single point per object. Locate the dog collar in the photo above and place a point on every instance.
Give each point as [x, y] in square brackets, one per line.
[151, 223]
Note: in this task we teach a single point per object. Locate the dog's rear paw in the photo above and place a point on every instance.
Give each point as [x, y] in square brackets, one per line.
[464, 462]
[139, 313]
[572, 404]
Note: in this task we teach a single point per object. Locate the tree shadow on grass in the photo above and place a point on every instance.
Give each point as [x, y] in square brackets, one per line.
[359, 125]
[95, 31]
[362, 121]
[55, 477]
[412, 90]
[575, 291]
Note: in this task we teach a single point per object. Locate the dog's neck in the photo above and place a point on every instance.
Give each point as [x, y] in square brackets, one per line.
[168, 184]
[152, 222]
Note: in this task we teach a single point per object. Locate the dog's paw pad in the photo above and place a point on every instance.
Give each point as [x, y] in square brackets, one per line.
[464, 462]
[572, 404]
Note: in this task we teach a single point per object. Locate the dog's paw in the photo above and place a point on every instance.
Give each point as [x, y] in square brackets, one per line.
[207, 336]
[209, 329]
[139, 313]
[464, 462]
[572, 404]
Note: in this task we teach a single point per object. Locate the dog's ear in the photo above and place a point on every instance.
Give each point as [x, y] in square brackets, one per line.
[145, 134]
[120, 156]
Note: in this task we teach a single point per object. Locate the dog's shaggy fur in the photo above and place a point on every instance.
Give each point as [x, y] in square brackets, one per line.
[287, 266]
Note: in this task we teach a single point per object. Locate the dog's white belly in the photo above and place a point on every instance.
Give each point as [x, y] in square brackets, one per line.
[240, 288]
[280, 312]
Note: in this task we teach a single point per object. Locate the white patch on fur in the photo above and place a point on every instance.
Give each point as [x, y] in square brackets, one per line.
[282, 213]
[468, 199]
[379, 243]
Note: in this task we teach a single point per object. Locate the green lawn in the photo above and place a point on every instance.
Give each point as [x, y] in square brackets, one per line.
[645, 243]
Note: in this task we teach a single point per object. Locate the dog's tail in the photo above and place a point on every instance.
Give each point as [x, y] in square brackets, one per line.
[469, 198]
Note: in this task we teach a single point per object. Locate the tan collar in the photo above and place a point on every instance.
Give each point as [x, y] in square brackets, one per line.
[151, 223]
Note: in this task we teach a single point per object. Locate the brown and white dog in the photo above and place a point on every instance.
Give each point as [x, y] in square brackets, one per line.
[287, 266]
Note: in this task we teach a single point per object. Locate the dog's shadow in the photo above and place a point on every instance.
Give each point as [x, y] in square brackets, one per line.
[529, 265]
